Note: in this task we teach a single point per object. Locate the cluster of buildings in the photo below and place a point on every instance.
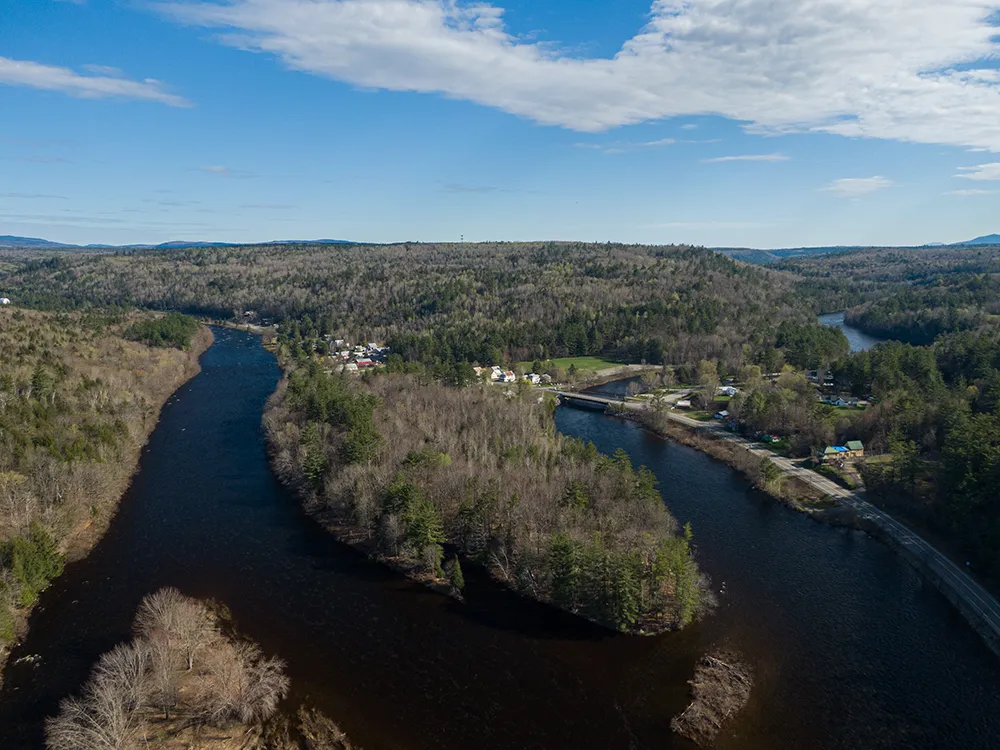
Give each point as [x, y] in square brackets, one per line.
[496, 374]
[359, 357]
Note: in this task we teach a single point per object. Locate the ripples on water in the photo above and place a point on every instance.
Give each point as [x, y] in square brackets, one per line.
[851, 649]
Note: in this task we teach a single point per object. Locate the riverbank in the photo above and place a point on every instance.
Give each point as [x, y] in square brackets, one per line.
[153, 376]
[829, 503]
[789, 490]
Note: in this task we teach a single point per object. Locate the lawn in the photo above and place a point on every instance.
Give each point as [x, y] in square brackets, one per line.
[583, 364]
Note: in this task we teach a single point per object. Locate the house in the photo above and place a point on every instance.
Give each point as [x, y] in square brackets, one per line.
[833, 453]
[508, 377]
[683, 404]
[855, 449]
[496, 374]
[350, 367]
[724, 414]
[533, 378]
[365, 363]
[728, 390]
[4, 301]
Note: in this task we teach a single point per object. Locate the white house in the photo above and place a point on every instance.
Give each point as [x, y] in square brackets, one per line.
[4, 301]
[728, 390]
[533, 378]
[496, 374]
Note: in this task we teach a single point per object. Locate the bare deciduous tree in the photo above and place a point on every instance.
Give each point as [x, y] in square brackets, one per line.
[107, 717]
[185, 621]
[241, 684]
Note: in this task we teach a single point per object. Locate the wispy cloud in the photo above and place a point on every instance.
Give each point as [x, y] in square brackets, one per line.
[854, 187]
[747, 157]
[105, 70]
[707, 225]
[44, 159]
[776, 65]
[33, 196]
[459, 188]
[621, 147]
[980, 172]
[689, 126]
[268, 206]
[970, 192]
[52, 78]
[222, 171]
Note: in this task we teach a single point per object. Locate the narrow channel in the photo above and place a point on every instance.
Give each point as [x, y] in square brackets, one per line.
[851, 649]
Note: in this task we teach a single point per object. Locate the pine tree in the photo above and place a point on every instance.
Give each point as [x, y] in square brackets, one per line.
[455, 575]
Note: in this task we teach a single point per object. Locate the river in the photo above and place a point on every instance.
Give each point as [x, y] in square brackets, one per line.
[858, 339]
[851, 648]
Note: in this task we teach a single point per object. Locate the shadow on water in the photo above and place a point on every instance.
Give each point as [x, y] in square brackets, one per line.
[850, 648]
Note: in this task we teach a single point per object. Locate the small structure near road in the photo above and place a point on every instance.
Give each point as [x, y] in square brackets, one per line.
[854, 449]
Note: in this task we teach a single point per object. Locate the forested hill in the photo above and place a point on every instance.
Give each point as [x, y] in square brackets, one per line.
[912, 295]
[471, 302]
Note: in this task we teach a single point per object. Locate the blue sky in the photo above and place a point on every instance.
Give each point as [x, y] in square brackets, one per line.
[764, 123]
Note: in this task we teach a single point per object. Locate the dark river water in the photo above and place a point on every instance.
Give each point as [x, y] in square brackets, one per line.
[858, 339]
[850, 648]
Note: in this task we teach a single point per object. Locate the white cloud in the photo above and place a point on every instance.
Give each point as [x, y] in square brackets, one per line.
[970, 192]
[896, 69]
[746, 157]
[981, 172]
[853, 187]
[221, 171]
[689, 126]
[53, 78]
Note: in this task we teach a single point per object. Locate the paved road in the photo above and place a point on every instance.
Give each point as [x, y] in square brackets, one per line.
[980, 603]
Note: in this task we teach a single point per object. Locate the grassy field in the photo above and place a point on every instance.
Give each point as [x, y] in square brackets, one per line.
[583, 364]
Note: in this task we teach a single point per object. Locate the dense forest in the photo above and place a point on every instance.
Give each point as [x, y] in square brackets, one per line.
[77, 401]
[935, 389]
[455, 302]
[910, 295]
[418, 471]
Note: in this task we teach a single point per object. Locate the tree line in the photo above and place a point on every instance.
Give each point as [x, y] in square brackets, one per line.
[488, 302]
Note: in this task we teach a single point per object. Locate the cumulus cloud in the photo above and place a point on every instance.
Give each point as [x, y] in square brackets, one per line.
[53, 78]
[909, 70]
[746, 157]
[853, 187]
[980, 172]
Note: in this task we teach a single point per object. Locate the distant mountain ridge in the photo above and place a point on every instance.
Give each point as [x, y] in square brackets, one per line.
[36, 242]
[986, 239]
[756, 256]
